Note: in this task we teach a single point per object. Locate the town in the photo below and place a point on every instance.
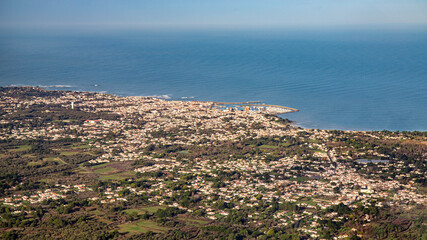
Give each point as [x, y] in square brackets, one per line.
[147, 168]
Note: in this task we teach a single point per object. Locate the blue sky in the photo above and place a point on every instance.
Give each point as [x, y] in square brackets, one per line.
[212, 13]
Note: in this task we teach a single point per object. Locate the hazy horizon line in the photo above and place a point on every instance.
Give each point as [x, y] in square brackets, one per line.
[214, 27]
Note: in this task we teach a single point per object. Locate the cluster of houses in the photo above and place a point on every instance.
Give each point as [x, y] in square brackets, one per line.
[58, 192]
[313, 184]
[244, 192]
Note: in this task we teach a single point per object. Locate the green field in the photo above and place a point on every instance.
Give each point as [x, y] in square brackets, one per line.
[118, 176]
[82, 169]
[68, 153]
[153, 209]
[54, 159]
[80, 146]
[134, 210]
[141, 227]
[34, 163]
[104, 170]
[21, 148]
[286, 144]
[48, 159]
[100, 165]
[268, 146]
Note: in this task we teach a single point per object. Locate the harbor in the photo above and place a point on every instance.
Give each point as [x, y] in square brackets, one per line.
[255, 106]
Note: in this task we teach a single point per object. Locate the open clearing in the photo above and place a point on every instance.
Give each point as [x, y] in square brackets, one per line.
[118, 176]
[153, 209]
[21, 148]
[141, 227]
[86, 146]
[54, 159]
[134, 210]
[268, 146]
[113, 171]
[47, 159]
[69, 153]
[105, 170]
[139, 211]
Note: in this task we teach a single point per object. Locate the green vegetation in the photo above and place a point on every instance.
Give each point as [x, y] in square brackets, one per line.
[268, 146]
[104, 171]
[195, 222]
[21, 148]
[134, 211]
[141, 227]
[68, 153]
[47, 159]
[54, 159]
[118, 176]
[249, 185]
[153, 209]
[85, 146]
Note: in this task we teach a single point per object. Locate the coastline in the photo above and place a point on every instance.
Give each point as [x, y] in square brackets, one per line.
[296, 123]
[130, 136]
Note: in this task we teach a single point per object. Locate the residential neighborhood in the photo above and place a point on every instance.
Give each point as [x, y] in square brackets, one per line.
[216, 165]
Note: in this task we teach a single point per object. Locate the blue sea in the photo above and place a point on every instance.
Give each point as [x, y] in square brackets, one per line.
[338, 79]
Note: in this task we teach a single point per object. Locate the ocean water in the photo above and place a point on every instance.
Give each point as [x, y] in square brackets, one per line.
[349, 80]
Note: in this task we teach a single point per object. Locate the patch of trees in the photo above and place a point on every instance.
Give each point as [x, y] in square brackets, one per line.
[168, 212]
[341, 209]
[8, 180]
